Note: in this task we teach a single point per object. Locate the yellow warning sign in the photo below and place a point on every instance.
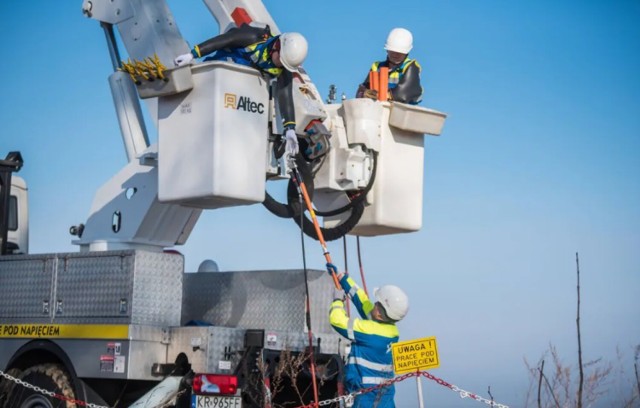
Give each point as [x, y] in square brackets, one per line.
[69, 331]
[414, 355]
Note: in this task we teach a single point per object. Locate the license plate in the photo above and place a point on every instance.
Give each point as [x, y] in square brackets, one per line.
[215, 401]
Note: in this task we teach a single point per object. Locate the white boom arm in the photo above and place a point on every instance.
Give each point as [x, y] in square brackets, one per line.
[211, 111]
[229, 13]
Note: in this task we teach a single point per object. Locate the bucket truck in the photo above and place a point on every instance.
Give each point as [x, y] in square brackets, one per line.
[119, 323]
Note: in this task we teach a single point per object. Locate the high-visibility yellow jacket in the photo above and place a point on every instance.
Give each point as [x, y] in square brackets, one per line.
[370, 361]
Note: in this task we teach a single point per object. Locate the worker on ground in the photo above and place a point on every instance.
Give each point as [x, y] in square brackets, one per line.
[404, 72]
[277, 56]
[370, 361]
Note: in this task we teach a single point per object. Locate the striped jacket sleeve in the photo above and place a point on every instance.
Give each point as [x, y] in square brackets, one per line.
[358, 296]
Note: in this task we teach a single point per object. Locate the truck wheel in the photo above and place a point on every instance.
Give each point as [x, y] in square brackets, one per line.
[50, 377]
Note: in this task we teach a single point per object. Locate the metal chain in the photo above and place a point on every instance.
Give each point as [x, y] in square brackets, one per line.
[349, 398]
[467, 394]
[48, 393]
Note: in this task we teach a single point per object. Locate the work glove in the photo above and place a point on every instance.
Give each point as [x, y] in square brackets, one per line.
[291, 142]
[183, 59]
[371, 94]
[332, 269]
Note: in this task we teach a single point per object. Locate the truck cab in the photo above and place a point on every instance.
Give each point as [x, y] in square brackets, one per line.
[14, 217]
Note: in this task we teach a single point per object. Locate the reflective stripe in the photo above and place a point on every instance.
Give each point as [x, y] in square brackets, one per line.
[371, 327]
[68, 331]
[370, 364]
[360, 299]
[374, 380]
[350, 333]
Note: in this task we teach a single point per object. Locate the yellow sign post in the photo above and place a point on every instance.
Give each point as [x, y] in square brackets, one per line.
[415, 355]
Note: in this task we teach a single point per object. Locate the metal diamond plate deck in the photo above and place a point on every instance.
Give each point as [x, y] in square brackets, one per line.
[270, 300]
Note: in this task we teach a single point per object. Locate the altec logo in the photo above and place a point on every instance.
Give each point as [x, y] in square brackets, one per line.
[242, 103]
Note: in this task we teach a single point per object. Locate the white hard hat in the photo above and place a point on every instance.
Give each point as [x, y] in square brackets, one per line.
[394, 301]
[293, 50]
[399, 40]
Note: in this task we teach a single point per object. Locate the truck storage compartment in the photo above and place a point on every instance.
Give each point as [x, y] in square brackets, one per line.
[116, 352]
[112, 287]
[258, 315]
[258, 299]
[213, 139]
[25, 288]
[213, 349]
[273, 301]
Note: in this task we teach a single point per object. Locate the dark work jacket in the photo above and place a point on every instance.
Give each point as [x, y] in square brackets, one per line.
[407, 89]
[251, 46]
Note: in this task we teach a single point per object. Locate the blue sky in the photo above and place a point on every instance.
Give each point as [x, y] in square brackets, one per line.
[539, 159]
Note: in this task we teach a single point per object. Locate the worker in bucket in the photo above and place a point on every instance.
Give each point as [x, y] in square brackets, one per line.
[370, 361]
[277, 56]
[403, 72]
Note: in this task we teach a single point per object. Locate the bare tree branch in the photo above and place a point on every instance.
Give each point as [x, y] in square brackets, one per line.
[581, 371]
[490, 396]
[635, 366]
[540, 384]
[550, 389]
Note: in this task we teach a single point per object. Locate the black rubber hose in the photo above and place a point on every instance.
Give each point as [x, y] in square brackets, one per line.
[284, 210]
[329, 234]
[278, 209]
[292, 209]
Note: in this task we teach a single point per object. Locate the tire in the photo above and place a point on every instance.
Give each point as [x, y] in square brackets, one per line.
[51, 377]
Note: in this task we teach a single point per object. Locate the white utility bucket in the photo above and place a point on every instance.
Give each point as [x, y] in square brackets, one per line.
[396, 131]
[213, 138]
